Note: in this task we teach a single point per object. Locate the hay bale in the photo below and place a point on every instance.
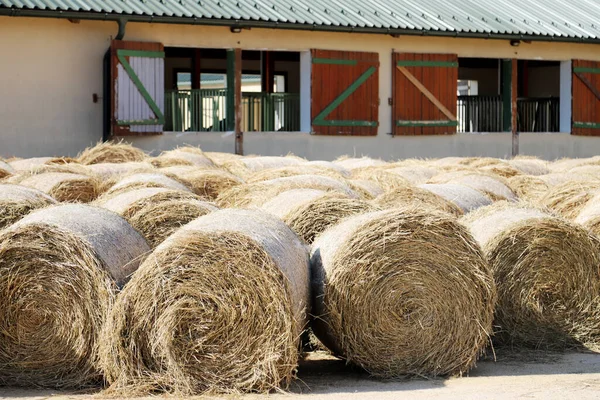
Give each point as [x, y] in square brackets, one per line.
[593, 171]
[530, 166]
[221, 158]
[156, 212]
[5, 169]
[466, 198]
[402, 292]
[417, 197]
[329, 165]
[284, 172]
[589, 216]
[569, 198]
[218, 307]
[17, 201]
[27, 164]
[257, 193]
[363, 162]
[503, 170]
[150, 179]
[546, 271]
[59, 270]
[115, 171]
[20, 176]
[415, 174]
[206, 183]
[557, 178]
[65, 187]
[243, 167]
[111, 152]
[528, 187]
[494, 187]
[384, 178]
[310, 212]
[190, 156]
[565, 164]
[366, 189]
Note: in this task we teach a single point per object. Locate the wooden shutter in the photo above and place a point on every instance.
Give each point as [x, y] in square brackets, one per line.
[586, 98]
[424, 93]
[138, 87]
[345, 93]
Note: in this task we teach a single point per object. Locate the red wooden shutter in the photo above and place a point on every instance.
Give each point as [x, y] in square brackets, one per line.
[345, 93]
[138, 87]
[424, 93]
[586, 98]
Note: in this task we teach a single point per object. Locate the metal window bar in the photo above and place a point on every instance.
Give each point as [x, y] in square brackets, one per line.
[538, 114]
[479, 114]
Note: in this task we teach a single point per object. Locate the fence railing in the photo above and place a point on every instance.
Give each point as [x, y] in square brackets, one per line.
[484, 114]
[205, 110]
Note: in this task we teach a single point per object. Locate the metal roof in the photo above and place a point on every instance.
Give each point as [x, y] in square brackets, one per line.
[570, 20]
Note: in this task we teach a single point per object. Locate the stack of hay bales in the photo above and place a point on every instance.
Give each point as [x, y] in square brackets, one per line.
[208, 183]
[308, 212]
[418, 197]
[546, 272]
[156, 212]
[59, 271]
[17, 201]
[110, 152]
[464, 197]
[190, 156]
[402, 292]
[218, 307]
[64, 186]
[144, 180]
[569, 198]
[496, 188]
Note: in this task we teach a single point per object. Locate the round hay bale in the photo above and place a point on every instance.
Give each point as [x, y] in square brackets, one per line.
[20, 176]
[384, 178]
[115, 171]
[284, 172]
[415, 174]
[363, 162]
[546, 272]
[310, 212]
[569, 198]
[65, 187]
[565, 164]
[206, 183]
[111, 152]
[402, 292]
[243, 167]
[530, 166]
[589, 216]
[189, 149]
[59, 271]
[27, 164]
[593, 171]
[528, 187]
[221, 158]
[557, 178]
[218, 307]
[366, 189]
[17, 201]
[451, 161]
[466, 198]
[330, 165]
[5, 169]
[494, 187]
[257, 193]
[183, 156]
[417, 197]
[151, 179]
[156, 212]
[502, 170]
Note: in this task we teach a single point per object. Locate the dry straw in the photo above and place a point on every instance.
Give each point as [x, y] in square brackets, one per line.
[546, 271]
[363, 162]
[208, 183]
[20, 176]
[367, 190]
[387, 180]
[17, 201]
[111, 152]
[156, 212]
[244, 167]
[330, 165]
[589, 216]
[528, 187]
[417, 197]
[148, 179]
[221, 158]
[402, 292]
[59, 270]
[252, 194]
[565, 164]
[65, 186]
[310, 212]
[569, 198]
[218, 307]
[530, 166]
[415, 174]
[495, 187]
[27, 164]
[190, 156]
[5, 169]
[292, 170]
[466, 198]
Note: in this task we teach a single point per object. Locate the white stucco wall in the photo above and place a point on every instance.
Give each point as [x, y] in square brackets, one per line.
[51, 68]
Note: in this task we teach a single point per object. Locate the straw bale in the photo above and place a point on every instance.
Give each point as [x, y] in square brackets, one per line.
[417, 197]
[589, 216]
[557, 178]
[183, 156]
[492, 186]
[310, 212]
[221, 158]
[402, 292]
[65, 187]
[593, 171]
[20, 176]
[567, 199]
[565, 164]
[367, 190]
[503, 170]
[218, 307]
[243, 167]
[149, 179]
[114, 171]
[257, 193]
[451, 161]
[206, 183]
[330, 165]
[546, 272]
[415, 174]
[17, 201]
[466, 198]
[111, 152]
[292, 170]
[156, 212]
[528, 187]
[384, 178]
[5, 169]
[363, 162]
[60, 268]
[26, 164]
[530, 166]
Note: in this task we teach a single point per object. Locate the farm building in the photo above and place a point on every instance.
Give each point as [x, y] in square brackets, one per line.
[317, 78]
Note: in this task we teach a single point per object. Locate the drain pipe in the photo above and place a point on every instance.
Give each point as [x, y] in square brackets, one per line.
[121, 34]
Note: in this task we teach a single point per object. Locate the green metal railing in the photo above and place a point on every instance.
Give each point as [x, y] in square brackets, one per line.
[205, 110]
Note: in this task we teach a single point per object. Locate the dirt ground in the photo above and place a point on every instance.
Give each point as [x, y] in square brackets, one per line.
[522, 375]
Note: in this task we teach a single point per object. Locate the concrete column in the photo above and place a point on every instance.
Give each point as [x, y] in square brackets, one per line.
[305, 91]
[565, 96]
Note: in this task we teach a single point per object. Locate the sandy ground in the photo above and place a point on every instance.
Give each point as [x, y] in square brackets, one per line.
[523, 375]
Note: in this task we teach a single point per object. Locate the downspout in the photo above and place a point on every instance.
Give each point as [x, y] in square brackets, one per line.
[121, 34]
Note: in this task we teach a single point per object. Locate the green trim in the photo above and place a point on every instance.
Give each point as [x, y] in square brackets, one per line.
[426, 123]
[586, 125]
[411, 63]
[319, 120]
[140, 86]
[140, 53]
[344, 123]
[333, 61]
[140, 122]
[586, 70]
